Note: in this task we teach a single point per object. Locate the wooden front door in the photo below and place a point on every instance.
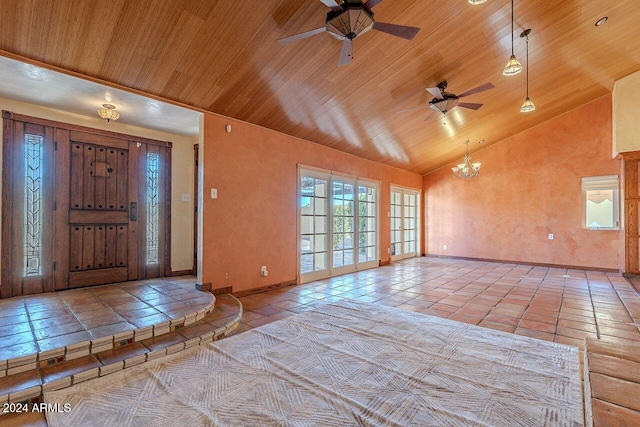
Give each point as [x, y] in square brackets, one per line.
[99, 214]
[97, 202]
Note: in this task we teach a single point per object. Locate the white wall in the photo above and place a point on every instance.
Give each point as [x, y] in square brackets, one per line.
[181, 170]
[626, 109]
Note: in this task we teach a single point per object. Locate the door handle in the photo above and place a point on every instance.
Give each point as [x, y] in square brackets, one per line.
[133, 212]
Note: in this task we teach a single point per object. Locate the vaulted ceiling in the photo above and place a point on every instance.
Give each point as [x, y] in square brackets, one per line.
[223, 56]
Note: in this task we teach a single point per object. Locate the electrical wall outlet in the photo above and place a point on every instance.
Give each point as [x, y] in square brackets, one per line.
[550, 236]
[444, 247]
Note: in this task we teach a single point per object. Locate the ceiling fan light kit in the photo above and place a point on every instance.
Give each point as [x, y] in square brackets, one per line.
[513, 66]
[349, 20]
[444, 101]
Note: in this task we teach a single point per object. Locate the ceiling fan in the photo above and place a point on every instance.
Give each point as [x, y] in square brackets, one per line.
[444, 101]
[350, 19]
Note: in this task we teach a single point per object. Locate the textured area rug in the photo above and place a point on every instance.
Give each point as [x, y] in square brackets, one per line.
[339, 365]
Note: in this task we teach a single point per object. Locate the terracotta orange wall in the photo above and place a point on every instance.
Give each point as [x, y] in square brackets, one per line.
[529, 186]
[253, 221]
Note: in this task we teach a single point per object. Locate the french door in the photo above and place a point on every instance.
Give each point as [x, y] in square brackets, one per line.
[338, 224]
[405, 223]
[87, 207]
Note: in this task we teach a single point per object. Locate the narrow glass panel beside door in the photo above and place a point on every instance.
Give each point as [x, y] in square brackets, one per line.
[153, 208]
[33, 168]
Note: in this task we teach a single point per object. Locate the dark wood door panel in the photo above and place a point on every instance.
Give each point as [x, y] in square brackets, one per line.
[88, 278]
[97, 139]
[98, 217]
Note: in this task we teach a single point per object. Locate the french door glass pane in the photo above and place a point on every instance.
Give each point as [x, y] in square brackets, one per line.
[343, 218]
[366, 223]
[313, 224]
[396, 223]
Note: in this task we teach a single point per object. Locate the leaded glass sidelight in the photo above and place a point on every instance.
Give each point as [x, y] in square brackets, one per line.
[153, 208]
[32, 226]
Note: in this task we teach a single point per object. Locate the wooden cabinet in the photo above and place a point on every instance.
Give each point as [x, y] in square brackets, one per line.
[630, 181]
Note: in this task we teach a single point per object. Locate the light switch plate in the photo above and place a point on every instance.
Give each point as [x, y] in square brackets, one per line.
[214, 193]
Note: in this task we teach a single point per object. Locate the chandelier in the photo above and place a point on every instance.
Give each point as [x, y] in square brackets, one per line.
[466, 169]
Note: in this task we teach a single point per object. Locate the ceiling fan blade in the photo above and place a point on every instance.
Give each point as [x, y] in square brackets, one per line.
[404, 110]
[345, 53]
[301, 36]
[332, 4]
[482, 88]
[435, 91]
[470, 105]
[372, 3]
[396, 30]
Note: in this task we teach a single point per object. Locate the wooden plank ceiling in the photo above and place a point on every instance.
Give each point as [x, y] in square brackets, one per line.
[223, 56]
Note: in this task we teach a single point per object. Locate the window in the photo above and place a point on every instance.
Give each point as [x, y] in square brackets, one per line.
[338, 224]
[600, 202]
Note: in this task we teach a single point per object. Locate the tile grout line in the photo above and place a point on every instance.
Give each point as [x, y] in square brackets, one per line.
[593, 308]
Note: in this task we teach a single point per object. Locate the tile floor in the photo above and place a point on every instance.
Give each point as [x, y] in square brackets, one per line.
[553, 304]
[39, 323]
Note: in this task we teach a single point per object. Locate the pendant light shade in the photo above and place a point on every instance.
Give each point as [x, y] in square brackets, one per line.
[528, 105]
[514, 66]
[108, 112]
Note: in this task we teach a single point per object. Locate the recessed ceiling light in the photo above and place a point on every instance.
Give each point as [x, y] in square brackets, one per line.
[481, 141]
[601, 21]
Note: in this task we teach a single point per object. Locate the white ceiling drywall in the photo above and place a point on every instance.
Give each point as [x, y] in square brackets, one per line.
[40, 86]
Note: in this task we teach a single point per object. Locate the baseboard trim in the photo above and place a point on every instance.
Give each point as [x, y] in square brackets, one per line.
[204, 287]
[382, 263]
[264, 289]
[182, 273]
[221, 291]
[534, 264]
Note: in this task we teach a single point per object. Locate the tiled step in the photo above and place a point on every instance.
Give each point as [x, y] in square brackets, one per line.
[28, 386]
[612, 383]
[43, 330]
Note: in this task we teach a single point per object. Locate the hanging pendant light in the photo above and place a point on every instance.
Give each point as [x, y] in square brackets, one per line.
[528, 105]
[514, 66]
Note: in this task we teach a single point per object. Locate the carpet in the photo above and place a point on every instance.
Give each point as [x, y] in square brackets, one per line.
[342, 364]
